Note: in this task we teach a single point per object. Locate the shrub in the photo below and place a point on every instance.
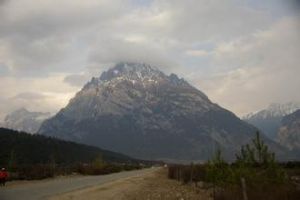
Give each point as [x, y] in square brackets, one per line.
[264, 177]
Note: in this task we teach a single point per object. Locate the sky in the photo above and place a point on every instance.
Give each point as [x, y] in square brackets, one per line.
[244, 54]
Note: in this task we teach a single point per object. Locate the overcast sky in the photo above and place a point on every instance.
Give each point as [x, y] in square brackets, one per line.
[244, 54]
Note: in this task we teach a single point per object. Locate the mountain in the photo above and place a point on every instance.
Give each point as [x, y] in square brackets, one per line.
[136, 109]
[269, 120]
[289, 132]
[36, 149]
[24, 120]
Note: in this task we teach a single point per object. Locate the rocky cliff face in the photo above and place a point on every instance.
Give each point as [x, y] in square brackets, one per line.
[138, 110]
[24, 120]
[289, 132]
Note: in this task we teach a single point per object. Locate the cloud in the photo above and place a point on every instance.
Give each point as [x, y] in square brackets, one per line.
[49, 36]
[254, 70]
[197, 53]
[37, 94]
[29, 96]
[114, 51]
[211, 20]
[41, 35]
[52, 47]
[77, 80]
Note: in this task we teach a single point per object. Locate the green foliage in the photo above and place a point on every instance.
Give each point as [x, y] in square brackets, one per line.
[256, 153]
[264, 177]
[12, 163]
[217, 159]
[255, 163]
[217, 170]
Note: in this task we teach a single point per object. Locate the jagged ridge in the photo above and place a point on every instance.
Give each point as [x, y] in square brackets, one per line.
[138, 110]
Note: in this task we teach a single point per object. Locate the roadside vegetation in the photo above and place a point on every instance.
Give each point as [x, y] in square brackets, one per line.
[49, 170]
[254, 175]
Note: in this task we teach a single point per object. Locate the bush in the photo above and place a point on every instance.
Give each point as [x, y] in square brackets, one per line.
[39, 171]
[264, 177]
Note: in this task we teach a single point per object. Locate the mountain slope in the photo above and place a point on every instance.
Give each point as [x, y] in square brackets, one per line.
[24, 120]
[289, 132]
[36, 149]
[269, 120]
[138, 110]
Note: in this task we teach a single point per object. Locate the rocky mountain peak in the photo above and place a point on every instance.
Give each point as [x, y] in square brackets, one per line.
[134, 71]
[138, 110]
[131, 86]
[136, 74]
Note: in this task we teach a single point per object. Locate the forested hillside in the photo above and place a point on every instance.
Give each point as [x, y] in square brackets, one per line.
[19, 148]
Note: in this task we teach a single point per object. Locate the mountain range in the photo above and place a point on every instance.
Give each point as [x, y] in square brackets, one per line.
[138, 110]
[269, 119]
[24, 120]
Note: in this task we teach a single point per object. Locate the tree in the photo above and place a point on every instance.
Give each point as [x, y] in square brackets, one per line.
[217, 170]
[256, 153]
[12, 163]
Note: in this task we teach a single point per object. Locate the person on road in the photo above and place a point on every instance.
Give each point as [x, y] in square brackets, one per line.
[3, 176]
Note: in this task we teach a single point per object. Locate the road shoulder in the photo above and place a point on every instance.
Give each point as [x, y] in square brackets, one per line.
[152, 185]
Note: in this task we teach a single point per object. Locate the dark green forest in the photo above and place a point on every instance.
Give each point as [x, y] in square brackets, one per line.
[30, 157]
[19, 148]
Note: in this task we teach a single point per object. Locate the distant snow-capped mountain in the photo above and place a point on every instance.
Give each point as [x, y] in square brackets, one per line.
[24, 120]
[274, 110]
[138, 110]
[269, 120]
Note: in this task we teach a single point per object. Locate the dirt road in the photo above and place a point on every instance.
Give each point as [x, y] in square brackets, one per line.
[147, 186]
[44, 189]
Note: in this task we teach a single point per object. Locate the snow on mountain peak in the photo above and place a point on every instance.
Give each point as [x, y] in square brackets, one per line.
[135, 71]
[128, 86]
[274, 110]
[277, 109]
[141, 73]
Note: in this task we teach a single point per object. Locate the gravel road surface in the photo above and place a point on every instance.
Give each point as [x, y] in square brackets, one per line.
[44, 189]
